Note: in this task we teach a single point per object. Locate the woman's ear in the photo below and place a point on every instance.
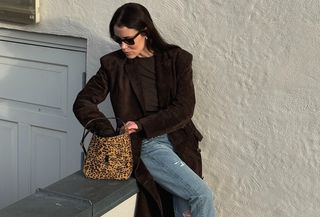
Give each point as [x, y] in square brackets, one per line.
[144, 32]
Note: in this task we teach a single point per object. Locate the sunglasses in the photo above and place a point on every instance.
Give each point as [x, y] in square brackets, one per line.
[128, 41]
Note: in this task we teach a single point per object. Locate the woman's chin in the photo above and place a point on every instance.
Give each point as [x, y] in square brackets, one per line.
[130, 55]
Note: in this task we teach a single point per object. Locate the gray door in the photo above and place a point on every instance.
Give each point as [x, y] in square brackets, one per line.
[40, 76]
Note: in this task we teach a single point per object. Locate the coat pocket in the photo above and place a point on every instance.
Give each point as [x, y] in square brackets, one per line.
[191, 129]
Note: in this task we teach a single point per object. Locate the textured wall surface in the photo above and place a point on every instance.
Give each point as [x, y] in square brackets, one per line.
[256, 72]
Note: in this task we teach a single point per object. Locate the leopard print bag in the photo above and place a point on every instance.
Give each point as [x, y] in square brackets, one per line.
[107, 157]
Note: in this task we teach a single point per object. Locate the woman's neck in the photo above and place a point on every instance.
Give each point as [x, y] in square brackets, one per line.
[145, 53]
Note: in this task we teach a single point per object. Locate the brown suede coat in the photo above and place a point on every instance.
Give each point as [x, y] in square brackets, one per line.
[117, 76]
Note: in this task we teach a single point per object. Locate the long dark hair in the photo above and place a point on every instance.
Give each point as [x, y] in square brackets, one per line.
[136, 16]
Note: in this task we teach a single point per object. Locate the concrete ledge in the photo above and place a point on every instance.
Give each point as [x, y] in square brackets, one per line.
[74, 195]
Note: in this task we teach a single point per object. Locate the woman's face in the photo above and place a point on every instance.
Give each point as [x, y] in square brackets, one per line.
[126, 36]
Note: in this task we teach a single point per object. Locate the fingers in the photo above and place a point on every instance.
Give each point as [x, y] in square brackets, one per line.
[131, 127]
[132, 131]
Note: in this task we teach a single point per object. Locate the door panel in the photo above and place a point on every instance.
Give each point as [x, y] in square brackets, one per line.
[39, 134]
[51, 79]
[48, 148]
[9, 169]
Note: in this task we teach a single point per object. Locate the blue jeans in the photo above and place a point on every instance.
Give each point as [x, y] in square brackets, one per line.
[191, 195]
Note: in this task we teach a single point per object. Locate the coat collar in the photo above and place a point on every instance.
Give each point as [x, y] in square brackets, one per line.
[163, 72]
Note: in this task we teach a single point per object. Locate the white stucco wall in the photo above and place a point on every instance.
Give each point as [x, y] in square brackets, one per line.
[256, 73]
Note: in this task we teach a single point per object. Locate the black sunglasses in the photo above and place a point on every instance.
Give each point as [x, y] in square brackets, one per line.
[128, 41]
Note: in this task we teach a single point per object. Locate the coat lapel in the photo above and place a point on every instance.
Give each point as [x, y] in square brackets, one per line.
[133, 76]
[164, 79]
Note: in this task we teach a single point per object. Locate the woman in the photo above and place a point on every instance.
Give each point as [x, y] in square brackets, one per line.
[151, 90]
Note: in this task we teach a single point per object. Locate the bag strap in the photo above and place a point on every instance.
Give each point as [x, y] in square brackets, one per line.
[86, 131]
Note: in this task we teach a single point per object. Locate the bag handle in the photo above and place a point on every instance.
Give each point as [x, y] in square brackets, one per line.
[86, 131]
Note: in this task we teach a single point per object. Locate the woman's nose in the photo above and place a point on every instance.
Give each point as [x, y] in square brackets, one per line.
[123, 45]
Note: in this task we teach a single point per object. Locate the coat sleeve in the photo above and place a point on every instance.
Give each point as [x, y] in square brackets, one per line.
[180, 110]
[86, 104]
